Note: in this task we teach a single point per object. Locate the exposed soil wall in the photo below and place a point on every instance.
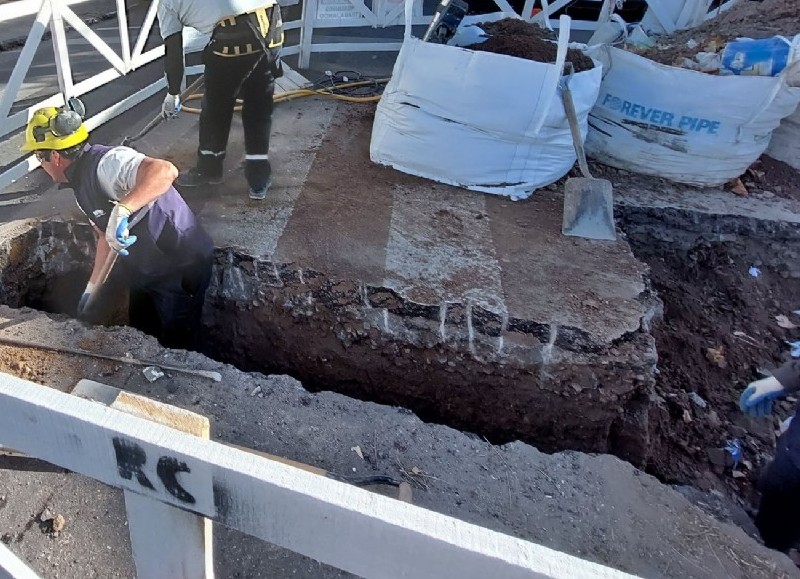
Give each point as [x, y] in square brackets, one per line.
[459, 365]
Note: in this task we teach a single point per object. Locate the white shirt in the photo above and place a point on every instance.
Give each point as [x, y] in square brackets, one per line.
[117, 171]
[202, 15]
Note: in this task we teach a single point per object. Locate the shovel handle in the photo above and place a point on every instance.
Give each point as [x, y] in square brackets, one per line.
[128, 141]
[572, 119]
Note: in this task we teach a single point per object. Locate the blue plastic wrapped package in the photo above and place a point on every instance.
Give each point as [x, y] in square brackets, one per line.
[767, 57]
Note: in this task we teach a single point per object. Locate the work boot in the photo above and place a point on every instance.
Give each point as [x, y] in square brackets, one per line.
[194, 178]
[259, 193]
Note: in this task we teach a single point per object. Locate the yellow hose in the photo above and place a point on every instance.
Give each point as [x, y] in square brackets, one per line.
[307, 92]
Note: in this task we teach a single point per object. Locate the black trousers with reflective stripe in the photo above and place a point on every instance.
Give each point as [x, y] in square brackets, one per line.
[249, 77]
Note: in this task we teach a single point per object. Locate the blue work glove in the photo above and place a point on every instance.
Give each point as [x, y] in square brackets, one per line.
[90, 287]
[171, 106]
[117, 229]
[756, 400]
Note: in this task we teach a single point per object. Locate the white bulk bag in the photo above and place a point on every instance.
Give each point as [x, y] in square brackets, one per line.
[683, 125]
[482, 121]
[785, 143]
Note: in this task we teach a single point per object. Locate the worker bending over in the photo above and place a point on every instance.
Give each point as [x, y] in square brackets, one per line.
[242, 57]
[166, 258]
[778, 518]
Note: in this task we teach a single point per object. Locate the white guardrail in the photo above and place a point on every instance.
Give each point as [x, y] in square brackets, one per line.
[175, 483]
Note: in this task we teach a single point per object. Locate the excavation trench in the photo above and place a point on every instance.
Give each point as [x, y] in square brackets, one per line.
[483, 372]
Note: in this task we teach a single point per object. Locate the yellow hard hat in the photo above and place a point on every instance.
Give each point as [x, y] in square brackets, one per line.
[54, 128]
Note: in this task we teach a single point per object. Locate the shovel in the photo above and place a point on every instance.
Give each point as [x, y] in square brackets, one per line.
[588, 202]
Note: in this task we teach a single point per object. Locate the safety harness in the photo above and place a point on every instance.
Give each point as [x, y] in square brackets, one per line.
[255, 31]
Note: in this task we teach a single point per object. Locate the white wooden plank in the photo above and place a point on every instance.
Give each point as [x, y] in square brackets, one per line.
[144, 32]
[122, 29]
[308, 17]
[504, 6]
[346, 527]
[60, 50]
[24, 60]
[166, 542]
[94, 39]
[658, 10]
[11, 567]
[551, 8]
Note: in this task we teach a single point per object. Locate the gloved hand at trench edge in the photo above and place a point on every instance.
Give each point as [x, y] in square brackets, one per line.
[171, 106]
[90, 287]
[756, 400]
[117, 230]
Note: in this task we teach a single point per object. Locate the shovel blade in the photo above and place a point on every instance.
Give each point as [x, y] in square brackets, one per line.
[589, 209]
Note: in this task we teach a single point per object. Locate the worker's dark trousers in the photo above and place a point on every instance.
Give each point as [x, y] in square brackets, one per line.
[250, 77]
[171, 308]
[778, 518]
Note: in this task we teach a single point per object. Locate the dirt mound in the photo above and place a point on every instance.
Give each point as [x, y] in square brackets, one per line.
[720, 331]
[748, 19]
[514, 37]
[769, 177]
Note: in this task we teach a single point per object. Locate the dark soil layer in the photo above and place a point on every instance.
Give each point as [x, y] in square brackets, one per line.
[719, 330]
[514, 37]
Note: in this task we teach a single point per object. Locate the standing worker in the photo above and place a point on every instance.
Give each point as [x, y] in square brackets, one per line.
[242, 57]
[166, 258]
[778, 518]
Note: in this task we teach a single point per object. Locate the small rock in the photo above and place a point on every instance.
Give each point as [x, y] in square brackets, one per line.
[687, 416]
[697, 399]
[717, 356]
[256, 390]
[738, 188]
[58, 523]
[739, 474]
[46, 515]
